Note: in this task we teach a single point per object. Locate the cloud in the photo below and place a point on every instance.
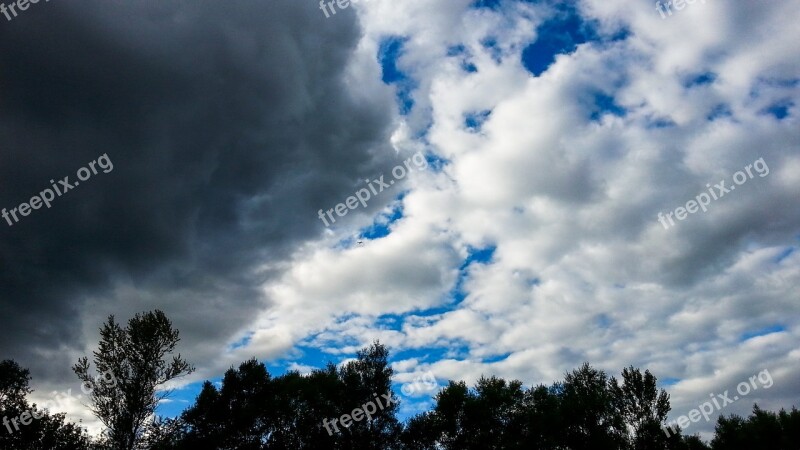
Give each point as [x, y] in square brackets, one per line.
[565, 177]
[230, 126]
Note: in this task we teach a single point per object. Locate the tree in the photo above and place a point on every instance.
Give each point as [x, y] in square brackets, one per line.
[421, 433]
[237, 416]
[13, 384]
[499, 405]
[543, 417]
[585, 411]
[493, 415]
[790, 425]
[762, 429]
[643, 407]
[253, 410]
[133, 367]
[25, 426]
[447, 426]
[592, 420]
[366, 380]
[692, 443]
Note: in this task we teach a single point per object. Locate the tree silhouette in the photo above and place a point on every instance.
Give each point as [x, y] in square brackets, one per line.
[132, 367]
[764, 430]
[643, 407]
[27, 427]
[253, 410]
[490, 416]
[585, 411]
[353, 407]
[543, 419]
[592, 418]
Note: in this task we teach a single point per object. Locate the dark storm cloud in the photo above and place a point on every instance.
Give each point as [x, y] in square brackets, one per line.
[228, 128]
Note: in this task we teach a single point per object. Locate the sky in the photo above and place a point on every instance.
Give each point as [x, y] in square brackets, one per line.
[547, 183]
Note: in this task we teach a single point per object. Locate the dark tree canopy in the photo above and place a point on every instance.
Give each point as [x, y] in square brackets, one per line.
[132, 365]
[253, 410]
[763, 430]
[353, 407]
[26, 426]
[587, 410]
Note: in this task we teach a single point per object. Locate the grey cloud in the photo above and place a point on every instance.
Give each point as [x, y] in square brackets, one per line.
[228, 126]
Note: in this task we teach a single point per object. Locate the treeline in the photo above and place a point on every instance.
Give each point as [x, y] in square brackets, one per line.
[586, 411]
[353, 407]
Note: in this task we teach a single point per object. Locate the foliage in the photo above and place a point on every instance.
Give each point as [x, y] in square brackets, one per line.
[133, 366]
[44, 430]
[253, 410]
[764, 430]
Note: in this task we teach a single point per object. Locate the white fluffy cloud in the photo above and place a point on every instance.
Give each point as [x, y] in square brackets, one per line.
[582, 271]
